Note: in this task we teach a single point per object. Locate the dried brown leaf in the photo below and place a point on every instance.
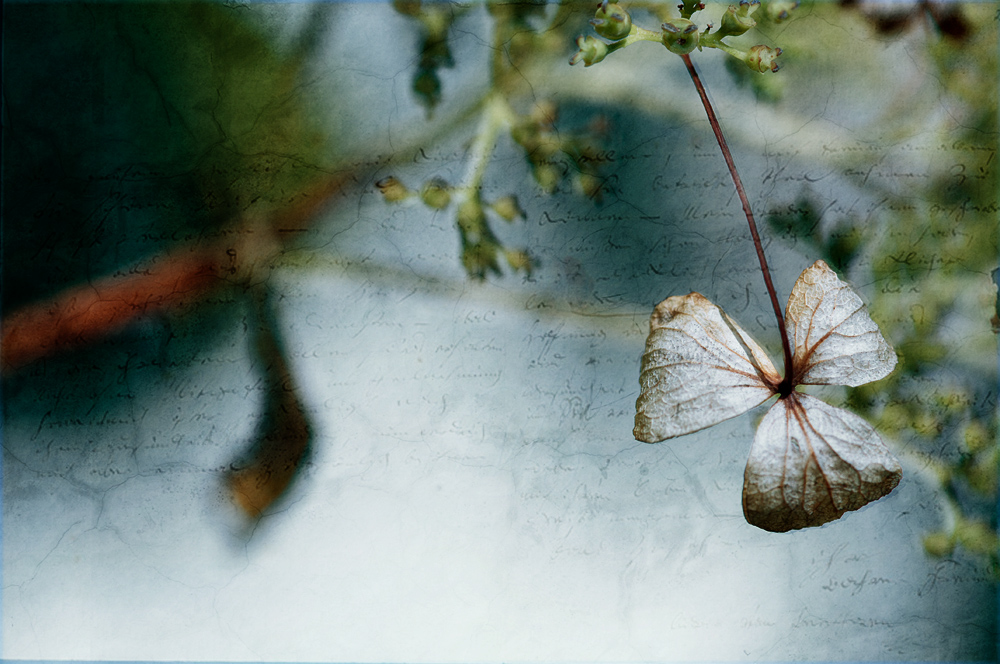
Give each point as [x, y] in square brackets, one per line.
[810, 463]
[836, 342]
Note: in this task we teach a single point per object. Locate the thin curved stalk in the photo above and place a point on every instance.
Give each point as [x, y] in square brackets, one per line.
[786, 384]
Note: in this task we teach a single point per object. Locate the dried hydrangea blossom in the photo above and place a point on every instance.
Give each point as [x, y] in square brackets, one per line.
[810, 462]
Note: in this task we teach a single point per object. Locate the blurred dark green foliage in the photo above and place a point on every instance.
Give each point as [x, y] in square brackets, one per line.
[132, 127]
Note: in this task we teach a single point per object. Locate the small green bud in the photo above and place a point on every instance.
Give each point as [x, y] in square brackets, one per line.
[547, 176]
[435, 194]
[737, 20]
[436, 21]
[518, 260]
[611, 21]
[680, 36]
[392, 189]
[982, 474]
[762, 58]
[976, 437]
[590, 185]
[938, 544]
[592, 50]
[925, 423]
[508, 208]
[779, 11]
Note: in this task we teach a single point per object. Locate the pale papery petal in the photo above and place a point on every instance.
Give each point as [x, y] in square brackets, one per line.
[835, 340]
[810, 463]
[699, 369]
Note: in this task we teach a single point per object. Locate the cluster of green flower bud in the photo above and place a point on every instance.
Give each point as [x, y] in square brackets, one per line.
[591, 50]
[556, 157]
[544, 147]
[682, 35]
[611, 22]
[974, 535]
[435, 52]
[481, 250]
[480, 247]
[438, 195]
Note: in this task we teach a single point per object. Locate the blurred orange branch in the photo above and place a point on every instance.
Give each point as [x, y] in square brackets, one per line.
[86, 313]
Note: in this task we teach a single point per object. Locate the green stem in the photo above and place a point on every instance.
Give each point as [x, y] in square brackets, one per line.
[637, 35]
[712, 41]
[496, 113]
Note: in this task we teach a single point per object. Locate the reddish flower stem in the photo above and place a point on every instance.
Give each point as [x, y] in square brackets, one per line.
[785, 386]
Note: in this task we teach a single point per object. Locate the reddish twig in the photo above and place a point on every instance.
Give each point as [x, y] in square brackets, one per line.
[786, 384]
[84, 314]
